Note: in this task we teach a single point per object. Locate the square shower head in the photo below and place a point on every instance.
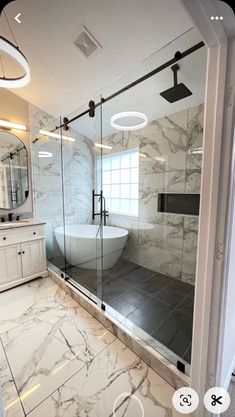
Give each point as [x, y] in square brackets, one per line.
[178, 92]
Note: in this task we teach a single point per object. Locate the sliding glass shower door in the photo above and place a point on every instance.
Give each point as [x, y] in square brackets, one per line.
[83, 202]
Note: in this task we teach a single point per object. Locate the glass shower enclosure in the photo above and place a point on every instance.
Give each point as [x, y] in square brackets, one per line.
[121, 204]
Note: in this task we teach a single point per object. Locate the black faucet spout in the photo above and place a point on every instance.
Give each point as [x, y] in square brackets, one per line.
[10, 217]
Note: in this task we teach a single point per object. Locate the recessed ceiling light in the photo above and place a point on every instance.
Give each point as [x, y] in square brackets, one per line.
[11, 125]
[44, 154]
[100, 145]
[128, 114]
[56, 135]
[10, 49]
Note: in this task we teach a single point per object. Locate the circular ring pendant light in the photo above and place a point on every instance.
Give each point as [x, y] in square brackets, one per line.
[9, 48]
[127, 114]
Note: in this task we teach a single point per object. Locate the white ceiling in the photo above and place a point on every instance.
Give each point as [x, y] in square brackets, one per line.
[62, 78]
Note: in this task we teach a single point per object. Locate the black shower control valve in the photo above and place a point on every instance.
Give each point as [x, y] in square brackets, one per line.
[4, 238]
[19, 253]
[34, 233]
[23, 252]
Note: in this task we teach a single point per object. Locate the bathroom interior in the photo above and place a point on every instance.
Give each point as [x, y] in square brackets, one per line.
[109, 190]
[121, 202]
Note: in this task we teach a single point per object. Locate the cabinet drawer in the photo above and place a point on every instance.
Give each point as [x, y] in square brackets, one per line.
[20, 234]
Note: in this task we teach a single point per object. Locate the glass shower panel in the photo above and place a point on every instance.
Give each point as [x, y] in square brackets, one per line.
[151, 182]
[48, 186]
[82, 203]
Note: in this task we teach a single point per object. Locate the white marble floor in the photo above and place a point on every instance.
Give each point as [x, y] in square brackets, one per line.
[56, 360]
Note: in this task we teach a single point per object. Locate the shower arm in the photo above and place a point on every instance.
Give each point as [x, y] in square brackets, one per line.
[175, 68]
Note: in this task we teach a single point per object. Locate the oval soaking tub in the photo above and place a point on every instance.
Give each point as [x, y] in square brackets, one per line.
[84, 249]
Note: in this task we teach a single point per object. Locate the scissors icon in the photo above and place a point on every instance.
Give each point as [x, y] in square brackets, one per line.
[216, 400]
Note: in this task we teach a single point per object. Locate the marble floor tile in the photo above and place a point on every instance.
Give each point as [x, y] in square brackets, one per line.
[33, 301]
[115, 381]
[53, 346]
[10, 399]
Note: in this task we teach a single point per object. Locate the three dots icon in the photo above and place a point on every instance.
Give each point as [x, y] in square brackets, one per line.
[217, 18]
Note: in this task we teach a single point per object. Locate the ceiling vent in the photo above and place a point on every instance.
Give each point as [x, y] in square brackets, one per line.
[87, 44]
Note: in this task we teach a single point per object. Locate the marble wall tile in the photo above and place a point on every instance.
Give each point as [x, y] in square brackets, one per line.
[121, 141]
[163, 144]
[78, 179]
[189, 262]
[191, 222]
[153, 184]
[166, 164]
[40, 119]
[165, 261]
[192, 181]
[194, 136]
[189, 253]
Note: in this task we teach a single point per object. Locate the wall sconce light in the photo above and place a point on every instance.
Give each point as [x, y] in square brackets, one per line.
[11, 125]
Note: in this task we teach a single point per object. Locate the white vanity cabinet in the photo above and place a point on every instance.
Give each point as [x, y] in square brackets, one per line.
[22, 253]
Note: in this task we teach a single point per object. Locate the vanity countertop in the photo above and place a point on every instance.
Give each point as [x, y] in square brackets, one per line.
[20, 223]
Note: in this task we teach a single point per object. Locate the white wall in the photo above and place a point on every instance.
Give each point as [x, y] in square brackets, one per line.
[15, 109]
[227, 361]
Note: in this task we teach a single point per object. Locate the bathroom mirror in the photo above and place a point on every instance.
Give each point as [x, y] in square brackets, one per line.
[14, 184]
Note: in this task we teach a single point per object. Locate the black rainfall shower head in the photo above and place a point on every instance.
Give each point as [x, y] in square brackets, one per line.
[179, 91]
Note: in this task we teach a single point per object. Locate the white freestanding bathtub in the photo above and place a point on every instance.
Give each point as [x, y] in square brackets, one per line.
[81, 245]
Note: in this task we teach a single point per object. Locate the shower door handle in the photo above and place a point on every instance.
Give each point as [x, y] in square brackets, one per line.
[100, 195]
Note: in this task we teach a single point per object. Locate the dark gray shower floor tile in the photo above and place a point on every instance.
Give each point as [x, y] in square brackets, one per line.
[138, 276]
[132, 297]
[148, 299]
[85, 277]
[150, 314]
[114, 289]
[187, 304]
[187, 355]
[122, 267]
[175, 332]
[153, 284]
[174, 294]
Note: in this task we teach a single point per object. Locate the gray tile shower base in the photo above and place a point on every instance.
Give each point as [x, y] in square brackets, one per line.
[159, 305]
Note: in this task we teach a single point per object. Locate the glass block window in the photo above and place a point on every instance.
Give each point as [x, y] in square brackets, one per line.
[120, 176]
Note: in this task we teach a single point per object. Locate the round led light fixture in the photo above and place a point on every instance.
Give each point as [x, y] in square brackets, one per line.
[127, 114]
[10, 49]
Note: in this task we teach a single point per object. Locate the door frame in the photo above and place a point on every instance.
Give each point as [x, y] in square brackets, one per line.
[215, 206]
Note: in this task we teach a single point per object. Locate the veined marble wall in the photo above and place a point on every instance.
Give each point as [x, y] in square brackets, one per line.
[47, 174]
[166, 243]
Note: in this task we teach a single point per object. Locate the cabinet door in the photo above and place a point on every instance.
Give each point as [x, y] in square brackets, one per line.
[33, 258]
[10, 263]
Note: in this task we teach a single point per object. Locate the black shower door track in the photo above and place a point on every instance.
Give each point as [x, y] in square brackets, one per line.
[178, 56]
